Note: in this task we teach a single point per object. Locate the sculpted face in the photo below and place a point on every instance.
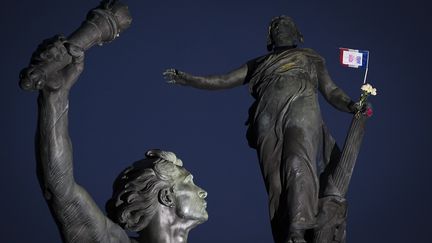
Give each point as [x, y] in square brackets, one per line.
[283, 32]
[159, 188]
[189, 198]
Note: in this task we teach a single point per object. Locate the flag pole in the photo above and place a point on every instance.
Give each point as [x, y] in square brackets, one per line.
[367, 68]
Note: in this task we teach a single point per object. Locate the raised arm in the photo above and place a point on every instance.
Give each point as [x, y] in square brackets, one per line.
[212, 82]
[332, 93]
[78, 217]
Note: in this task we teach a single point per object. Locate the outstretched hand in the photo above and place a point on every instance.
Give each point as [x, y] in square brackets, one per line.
[55, 65]
[174, 76]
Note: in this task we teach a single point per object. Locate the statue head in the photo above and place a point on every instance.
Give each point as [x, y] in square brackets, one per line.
[283, 31]
[158, 182]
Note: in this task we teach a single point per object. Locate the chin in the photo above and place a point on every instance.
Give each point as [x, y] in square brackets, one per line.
[204, 217]
[199, 217]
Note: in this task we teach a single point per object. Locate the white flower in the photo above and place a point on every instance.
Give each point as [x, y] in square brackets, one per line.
[367, 88]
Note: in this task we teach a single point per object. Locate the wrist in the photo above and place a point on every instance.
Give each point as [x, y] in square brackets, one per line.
[181, 74]
[54, 95]
[353, 107]
[183, 78]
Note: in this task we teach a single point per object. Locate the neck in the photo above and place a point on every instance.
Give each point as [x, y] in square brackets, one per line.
[283, 48]
[166, 227]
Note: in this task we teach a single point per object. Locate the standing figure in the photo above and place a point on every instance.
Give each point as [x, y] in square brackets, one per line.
[285, 123]
[155, 198]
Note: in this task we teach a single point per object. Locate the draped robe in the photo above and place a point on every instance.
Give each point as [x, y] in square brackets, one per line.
[286, 129]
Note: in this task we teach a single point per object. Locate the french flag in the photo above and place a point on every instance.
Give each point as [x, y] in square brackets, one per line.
[354, 58]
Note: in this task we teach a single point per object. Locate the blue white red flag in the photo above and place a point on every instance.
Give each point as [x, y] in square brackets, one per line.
[354, 58]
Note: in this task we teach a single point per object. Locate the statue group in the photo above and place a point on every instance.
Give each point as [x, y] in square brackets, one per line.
[156, 197]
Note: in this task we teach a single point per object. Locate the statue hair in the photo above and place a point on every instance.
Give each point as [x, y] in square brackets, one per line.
[297, 35]
[135, 191]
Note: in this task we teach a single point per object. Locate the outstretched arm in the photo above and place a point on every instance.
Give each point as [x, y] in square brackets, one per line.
[212, 82]
[332, 93]
[78, 217]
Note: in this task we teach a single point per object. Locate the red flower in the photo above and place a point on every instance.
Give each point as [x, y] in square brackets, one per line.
[369, 112]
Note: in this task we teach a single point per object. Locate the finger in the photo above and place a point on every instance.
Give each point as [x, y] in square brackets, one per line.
[166, 73]
[169, 72]
[169, 79]
[75, 51]
[73, 70]
[50, 50]
[173, 70]
[31, 79]
[169, 76]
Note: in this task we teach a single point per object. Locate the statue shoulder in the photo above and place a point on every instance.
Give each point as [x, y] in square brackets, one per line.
[311, 53]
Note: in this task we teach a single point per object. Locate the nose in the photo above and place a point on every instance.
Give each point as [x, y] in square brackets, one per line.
[202, 194]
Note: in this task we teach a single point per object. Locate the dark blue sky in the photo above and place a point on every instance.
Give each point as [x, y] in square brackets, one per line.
[121, 107]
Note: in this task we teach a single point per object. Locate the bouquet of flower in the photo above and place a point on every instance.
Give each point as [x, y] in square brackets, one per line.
[367, 90]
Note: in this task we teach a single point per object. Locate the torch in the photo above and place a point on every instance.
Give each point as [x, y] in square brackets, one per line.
[102, 25]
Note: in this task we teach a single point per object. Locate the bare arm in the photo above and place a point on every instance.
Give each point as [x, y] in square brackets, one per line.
[332, 93]
[77, 215]
[212, 82]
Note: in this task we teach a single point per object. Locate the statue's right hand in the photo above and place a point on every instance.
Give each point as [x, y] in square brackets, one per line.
[174, 76]
[55, 65]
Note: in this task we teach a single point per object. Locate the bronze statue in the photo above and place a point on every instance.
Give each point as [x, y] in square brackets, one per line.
[285, 125]
[155, 198]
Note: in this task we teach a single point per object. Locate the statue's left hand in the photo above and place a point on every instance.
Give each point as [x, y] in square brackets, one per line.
[55, 65]
[366, 108]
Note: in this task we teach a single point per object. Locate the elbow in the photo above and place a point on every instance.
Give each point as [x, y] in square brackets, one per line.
[57, 188]
[339, 100]
[47, 194]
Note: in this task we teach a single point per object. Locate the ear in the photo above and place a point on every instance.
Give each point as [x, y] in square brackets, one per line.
[269, 40]
[166, 196]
